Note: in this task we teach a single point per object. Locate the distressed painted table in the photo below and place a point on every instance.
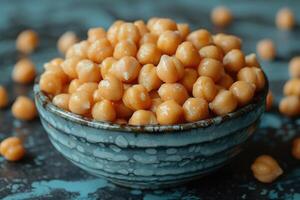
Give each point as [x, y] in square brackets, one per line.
[44, 174]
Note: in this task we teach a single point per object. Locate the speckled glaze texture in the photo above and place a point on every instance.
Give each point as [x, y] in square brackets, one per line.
[149, 156]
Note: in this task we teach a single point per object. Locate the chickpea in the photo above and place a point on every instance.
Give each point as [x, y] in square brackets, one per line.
[200, 38]
[88, 71]
[126, 69]
[79, 50]
[80, 103]
[27, 41]
[121, 121]
[294, 67]
[12, 149]
[97, 33]
[252, 75]
[124, 48]
[221, 16]
[148, 77]
[234, 60]
[291, 87]
[251, 60]
[189, 78]
[104, 111]
[24, 109]
[106, 65]
[266, 49]
[148, 54]
[195, 109]
[89, 88]
[113, 31]
[188, 54]
[266, 169]
[97, 96]
[142, 117]
[99, 50]
[155, 103]
[169, 112]
[227, 42]
[184, 29]
[111, 88]
[211, 51]
[128, 31]
[74, 84]
[122, 111]
[225, 81]
[151, 21]
[3, 97]
[62, 101]
[141, 26]
[269, 100]
[243, 92]
[290, 106]
[211, 68]
[175, 91]
[50, 83]
[24, 71]
[224, 102]
[285, 19]
[137, 98]
[66, 40]
[55, 67]
[69, 67]
[169, 69]
[161, 25]
[168, 42]
[148, 38]
[205, 88]
[296, 148]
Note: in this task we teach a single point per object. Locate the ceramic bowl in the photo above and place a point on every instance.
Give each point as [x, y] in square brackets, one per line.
[151, 156]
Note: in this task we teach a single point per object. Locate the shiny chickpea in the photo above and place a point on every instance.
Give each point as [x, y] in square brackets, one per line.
[142, 117]
[227, 42]
[195, 109]
[74, 84]
[113, 31]
[66, 40]
[251, 60]
[96, 33]
[225, 81]
[104, 111]
[122, 111]
[269, 100]
[126, 69]
[124, 48]
[169, 69]
[148, 38]
[99, 50]
[169, 112]
[266, 169]
[149, 54]
[184, 29]
[266, 49]
[155, 103]
[80, 103]
[161, 25]
[200, 38]
[106, 65]
[24, 109]
[89, 88]
[211, 51]
[50, 83]
[128, 31]
[27, 41]
[234, 60]
[55, 67]
[137, 98]
[175, 91]
[12, 149]
[243, 92]
[78, 50]
[285, 19]
[291, 87]
[294, 67]
[189, 78]
[88, 71]
[151, 21]
[3, 97]
[211, 68]
[221, 16]
[205, 88]
[62, 101]
[24, 71]
[290, 106]
[188, 54]
[69, 67]
[148, 77]
[252, 75]
[111, 88]
[296, 148]
[141, 26]
[168, 42]
[224, 102]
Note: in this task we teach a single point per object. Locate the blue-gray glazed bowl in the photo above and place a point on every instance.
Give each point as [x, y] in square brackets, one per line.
[152, 156]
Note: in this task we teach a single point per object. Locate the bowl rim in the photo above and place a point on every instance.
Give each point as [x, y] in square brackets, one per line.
[45, 101]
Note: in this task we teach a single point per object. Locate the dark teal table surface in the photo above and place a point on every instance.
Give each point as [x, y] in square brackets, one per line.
[44, 174]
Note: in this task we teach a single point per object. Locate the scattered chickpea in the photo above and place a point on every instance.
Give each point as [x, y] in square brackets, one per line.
[224, 102]
[88, 71]
[285, 19]
[99, 50]
[24, 109]
[169, 69]
[211, 51]
[269, 100]
[80, 103]
[62, 101]
[195, 109]
[3, 97]
[266, 49]
[200, 38]
[252, 75]
[243, 92]
[188, 54]
[296, 148]
[137, 98]
[24, 71]
[161, 25]
[66, 40]
[69, 67]
[79, 50]
[111, 88]
[175, 91]
[106, 65]
[125, 48]
[148, 77]
[211, 68]
[12, 149]
[291, 87]
[227, 42]
[234, 60]
[290, 106]
[169, 112]
[122, 110]
[27, 41]
[113, 31]
[148, 38]
[104, 111]
[128, 31]
[205, 88]
[148, 54]
[96, 33]
[221, 16]
[266, 169]
[142, 117]
[225, 81]
[184, 29]
[168, 42]
[189, 78]
[251, 60]
[294, 67]
[141, 26]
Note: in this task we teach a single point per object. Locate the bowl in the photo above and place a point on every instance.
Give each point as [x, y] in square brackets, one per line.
[152, 156]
